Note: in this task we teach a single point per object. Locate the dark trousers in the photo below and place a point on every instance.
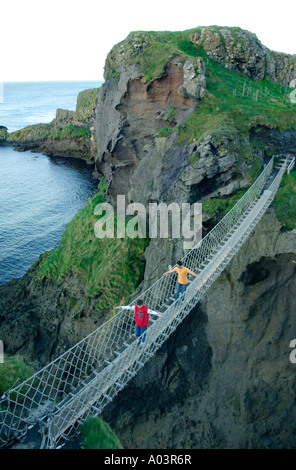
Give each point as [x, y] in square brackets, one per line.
[139, 330]
[180, 288]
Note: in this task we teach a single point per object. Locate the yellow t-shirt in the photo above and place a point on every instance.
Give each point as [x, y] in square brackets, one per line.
[182, 274]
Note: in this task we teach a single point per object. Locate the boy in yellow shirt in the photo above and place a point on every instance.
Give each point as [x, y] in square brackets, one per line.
[182, 281]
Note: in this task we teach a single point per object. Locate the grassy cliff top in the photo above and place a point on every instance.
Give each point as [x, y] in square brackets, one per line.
[232, 100]
[111, 268]
[154, 49]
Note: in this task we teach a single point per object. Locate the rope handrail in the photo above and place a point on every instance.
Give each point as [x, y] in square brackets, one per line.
[267, 168]
[58, 386]
[259, 182]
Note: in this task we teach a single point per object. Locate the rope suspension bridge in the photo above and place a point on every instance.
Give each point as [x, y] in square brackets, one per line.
[84, 379]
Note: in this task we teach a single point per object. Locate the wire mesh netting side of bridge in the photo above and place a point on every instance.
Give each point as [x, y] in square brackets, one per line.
[84, 379]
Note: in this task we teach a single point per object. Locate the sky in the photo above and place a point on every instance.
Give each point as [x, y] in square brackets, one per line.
[70, 39]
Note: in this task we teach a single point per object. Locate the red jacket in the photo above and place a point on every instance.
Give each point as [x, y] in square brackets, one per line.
[141, 316]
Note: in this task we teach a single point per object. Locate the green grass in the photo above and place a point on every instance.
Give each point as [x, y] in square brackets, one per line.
[13, 371]
[36, 133]
[113, 73]
[254, 170]
[154, 59]
[72, 131]
[97, 434]
[164, 132]
[285, 201]
[232, 100]
[111, 268]
[215, 205]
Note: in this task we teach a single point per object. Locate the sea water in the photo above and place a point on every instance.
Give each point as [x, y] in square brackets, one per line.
[39, 195]
[27, 103]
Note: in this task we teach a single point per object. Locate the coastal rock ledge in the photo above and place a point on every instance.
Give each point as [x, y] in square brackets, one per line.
[69, 134]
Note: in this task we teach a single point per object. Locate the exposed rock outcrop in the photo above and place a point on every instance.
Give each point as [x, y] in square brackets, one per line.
[223, 379]
[70, 134]
[241, 51]
[132, 152]
[137, 122]
[130, 115]
[140, 116]
[40, 320]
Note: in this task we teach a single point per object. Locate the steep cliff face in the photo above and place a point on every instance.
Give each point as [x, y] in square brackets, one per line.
[40, 320]
[166, 105]
[224, 380]
[174, 125]
[128, 120]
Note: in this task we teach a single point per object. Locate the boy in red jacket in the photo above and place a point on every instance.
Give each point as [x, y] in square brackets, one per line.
[141, 318]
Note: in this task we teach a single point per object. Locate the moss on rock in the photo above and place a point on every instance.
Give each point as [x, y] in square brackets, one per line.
[3, 134]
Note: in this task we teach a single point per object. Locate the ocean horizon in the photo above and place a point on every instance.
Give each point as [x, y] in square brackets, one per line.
[39, 195]
[26, 103]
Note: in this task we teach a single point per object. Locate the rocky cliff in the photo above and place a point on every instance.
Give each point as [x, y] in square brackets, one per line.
[181, 118]
[224, 378]
[242, 52]
[167, 106]
[174, 122]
